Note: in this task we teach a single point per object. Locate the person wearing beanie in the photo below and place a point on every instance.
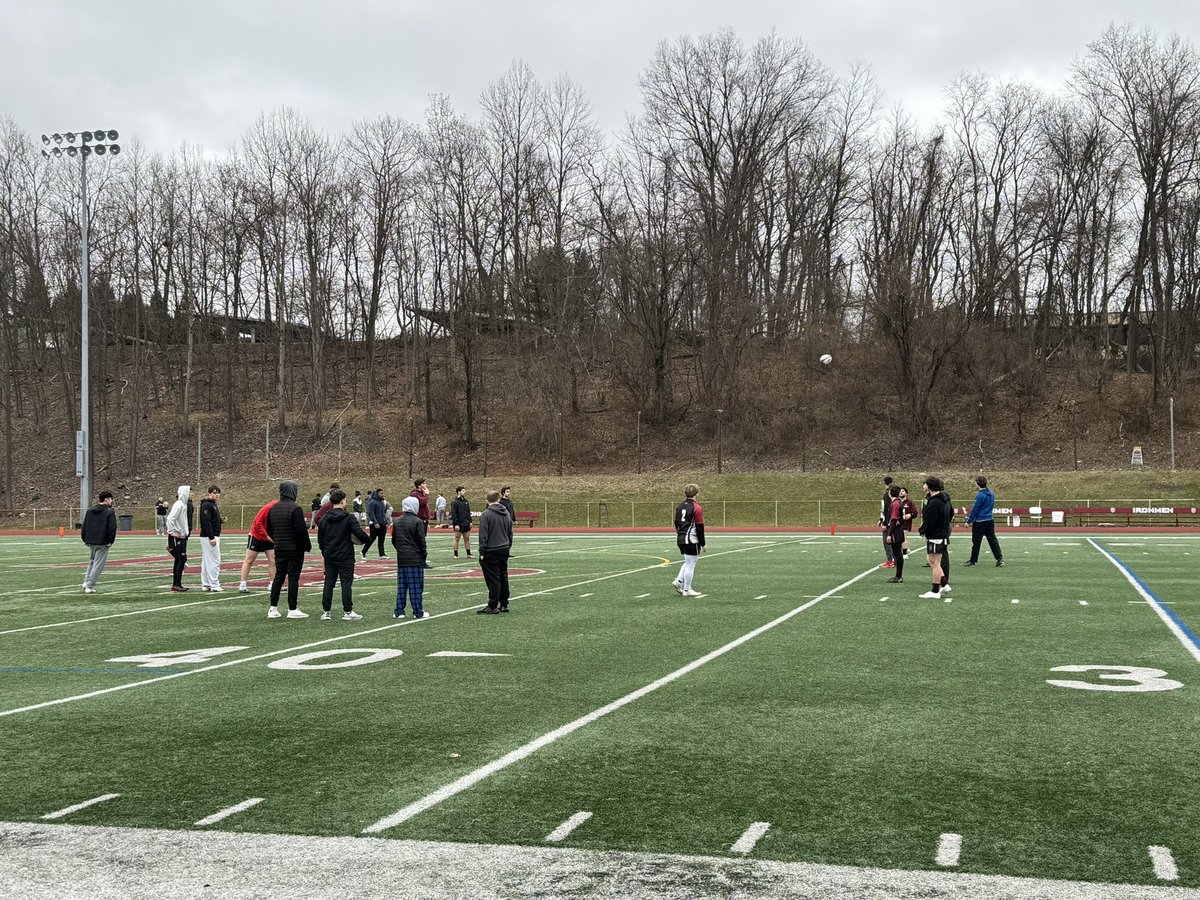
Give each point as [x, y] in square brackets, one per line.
[337, 533]
[288, 531]
[408, 538]
[178, 529]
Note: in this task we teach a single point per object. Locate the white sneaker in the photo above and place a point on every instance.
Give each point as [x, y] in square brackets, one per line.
[297, 614]
[945, 588]
[325, 617]
[242, 589]
[217, 590]
[929, 595]
[357, 576]
[678, 585]
[351, 616]
[272, 612]
[205, 588]
[84, 585]
[88, 590]
[690, 593]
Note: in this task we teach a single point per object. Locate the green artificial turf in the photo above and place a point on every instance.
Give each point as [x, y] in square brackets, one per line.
[862, 729]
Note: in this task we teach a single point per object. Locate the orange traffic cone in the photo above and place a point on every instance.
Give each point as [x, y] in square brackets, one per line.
[833, 527]
[62, 532]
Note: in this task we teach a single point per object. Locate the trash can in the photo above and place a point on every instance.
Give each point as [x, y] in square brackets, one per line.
[126, 520]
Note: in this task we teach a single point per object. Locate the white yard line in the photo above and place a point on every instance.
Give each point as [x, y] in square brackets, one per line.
[473, 778]
[231, 811]
[562, 831]
[750, 837]
[354, 635]
[949, 848]
[78, 806]
[461, 654]
[1164, 864]
[135, 612]
[1181, 632]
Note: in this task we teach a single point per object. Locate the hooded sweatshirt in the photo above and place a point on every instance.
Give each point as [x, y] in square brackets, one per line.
[177, 518]
[377, 510]
[286, 523]
[985, 506]
[99, 525]
[210, 518]
[337, 535]
[408, 536]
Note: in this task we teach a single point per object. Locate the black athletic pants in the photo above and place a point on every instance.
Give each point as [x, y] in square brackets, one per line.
[376, 531]
[495, 573]
[287, 567]
[335, 569]
[897, 550]
[177, 547]
[979, 531]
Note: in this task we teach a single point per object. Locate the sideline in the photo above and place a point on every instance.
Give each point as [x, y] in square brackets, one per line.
[1170, 618]
[473, 778]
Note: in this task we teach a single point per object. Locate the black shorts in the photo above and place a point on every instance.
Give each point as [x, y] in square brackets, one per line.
[689, 549]
[935, 546]
[463, 529]
[253, 543]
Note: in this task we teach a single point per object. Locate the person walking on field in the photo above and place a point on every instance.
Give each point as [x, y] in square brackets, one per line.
[689, 535]
[460, 519]
[376, 522]
[160, 517]
[337, 534]
[210, 541]
[935, 527]
[289, 532]
[98, 531]
[983, 524]
[408, 537]
[258, 542]
[178, 529]
[495, 547]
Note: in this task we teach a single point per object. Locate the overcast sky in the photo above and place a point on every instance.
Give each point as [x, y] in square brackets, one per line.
[200, 73]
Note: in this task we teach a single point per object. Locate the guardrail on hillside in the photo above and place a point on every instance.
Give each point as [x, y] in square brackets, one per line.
[717, 513]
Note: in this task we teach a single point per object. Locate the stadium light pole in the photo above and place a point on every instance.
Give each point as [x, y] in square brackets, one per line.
[82, 144]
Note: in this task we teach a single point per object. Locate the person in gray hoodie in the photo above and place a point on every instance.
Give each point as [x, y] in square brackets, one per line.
[495, 545]
[178, 528]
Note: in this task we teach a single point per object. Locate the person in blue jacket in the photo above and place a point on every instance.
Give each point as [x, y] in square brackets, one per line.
[982, 523]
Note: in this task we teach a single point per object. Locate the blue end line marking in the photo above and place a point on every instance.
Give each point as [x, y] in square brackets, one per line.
[1170, 613]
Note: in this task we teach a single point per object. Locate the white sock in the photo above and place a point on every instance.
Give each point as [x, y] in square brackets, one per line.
[688, 570]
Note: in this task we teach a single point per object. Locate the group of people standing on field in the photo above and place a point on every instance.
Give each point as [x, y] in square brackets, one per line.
[898, 512]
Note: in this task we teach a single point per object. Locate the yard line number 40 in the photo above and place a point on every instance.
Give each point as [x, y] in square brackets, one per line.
[304, 662]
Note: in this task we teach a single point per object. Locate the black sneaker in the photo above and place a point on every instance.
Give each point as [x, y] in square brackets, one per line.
[999, 563]
[895, 580]
[504, 609]
[969, 565]
[487, 611]
[456, 554]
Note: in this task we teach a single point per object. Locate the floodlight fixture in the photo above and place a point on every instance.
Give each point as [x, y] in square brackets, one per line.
[100, 149]
[70, 136]
[57, 138]
[86, 137]
[72, 151]
[114, 149]
[45, 138]
[112, 135]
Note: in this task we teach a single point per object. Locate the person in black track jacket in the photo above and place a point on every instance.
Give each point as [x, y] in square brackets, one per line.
[337, 533]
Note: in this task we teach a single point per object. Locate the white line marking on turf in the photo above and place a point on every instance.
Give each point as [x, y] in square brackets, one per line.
[1160, 610]
[560, 833]
[749, 838]
[1164, 864]
[641, 596]
[1083, 603]
[883, 599]
[135, 612]
[949, 848]
[354, 635]
[231, 811]
[1015, 600]
[761, 597]
[78, 806]
[463, 653]
[589, 594]
[473, 778]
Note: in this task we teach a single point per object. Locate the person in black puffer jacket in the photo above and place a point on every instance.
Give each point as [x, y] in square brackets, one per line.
[935, 527]
[337, 533]
[408, 537]
[289, 533]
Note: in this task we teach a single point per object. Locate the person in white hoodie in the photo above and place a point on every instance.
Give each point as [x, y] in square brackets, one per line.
[177, 536]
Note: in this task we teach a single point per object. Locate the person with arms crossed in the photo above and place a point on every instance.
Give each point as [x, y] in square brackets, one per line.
[408, 539]
[377, 522]
[99, 532]
[160, 517]
[689, 535]
[895, 534]
[210, 541]
[460, 519]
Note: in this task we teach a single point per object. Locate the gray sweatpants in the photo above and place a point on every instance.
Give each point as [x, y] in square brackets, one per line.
[96, 565]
